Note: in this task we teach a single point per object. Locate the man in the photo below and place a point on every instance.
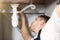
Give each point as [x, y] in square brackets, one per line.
[36, 26]
[51, 30]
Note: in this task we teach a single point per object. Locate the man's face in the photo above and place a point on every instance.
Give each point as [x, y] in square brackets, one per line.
[37, 24]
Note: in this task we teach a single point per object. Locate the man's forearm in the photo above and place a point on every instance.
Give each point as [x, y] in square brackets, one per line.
[24, 30]
[25, 35]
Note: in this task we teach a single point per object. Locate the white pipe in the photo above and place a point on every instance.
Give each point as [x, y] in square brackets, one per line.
[29, 6]
[16, 35]
[14, 15]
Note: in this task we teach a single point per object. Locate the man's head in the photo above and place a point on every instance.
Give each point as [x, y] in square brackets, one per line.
[41, 20]
[39, 23]
[44, 17]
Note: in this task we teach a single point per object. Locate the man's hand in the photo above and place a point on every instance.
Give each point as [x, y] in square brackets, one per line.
[24, 30]
[20, 14]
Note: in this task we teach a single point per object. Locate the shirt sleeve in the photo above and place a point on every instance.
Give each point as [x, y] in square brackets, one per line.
[51, 30]
[56, 21]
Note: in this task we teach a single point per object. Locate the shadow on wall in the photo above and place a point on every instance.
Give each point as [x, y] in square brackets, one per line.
[48, 2]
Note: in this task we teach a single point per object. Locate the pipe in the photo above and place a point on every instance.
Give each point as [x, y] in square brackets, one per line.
[29, 6]
[16, 35]
[14, 15]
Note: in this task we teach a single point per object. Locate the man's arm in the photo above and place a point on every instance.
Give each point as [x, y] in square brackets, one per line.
[24, 30]
[58, 10]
